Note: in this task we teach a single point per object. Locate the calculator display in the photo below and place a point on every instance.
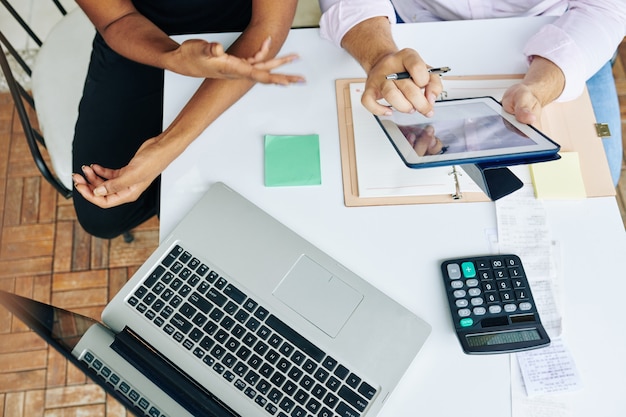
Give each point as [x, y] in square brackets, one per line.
[501, 338]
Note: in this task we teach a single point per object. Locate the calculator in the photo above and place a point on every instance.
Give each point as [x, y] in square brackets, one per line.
[492, 306]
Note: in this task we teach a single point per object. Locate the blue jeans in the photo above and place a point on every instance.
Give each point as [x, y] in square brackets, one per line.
[603, 95]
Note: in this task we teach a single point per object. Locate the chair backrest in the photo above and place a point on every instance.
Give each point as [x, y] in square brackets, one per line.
[49, 138]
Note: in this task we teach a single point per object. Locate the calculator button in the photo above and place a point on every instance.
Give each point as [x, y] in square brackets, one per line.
[504, 285]
[495, 309]
[509, 308]
[510, 261]
[482, 264]
[459, 293]
[479, 311]
[525, 306]
[462, 303]
[464, 312]
[488, 286]
[466, 322]
[521, 295]
[515, 272]
[501, 274]
[506, 295]
[497, 263]
[486, 274]
[472, 282]
[456, 284]
[518, 283]
[492, 297]
[454, 271]
[474, 292]
[477, 301]
[468, 269]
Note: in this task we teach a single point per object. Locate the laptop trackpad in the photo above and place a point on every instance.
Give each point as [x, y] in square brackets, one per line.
[317, 295]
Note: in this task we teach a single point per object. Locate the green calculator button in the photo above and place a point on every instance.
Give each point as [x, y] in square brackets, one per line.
[468, 269]
[466, 322]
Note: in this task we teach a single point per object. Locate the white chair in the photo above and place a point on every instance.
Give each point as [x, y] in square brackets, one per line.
[57, 83]
[57, 79]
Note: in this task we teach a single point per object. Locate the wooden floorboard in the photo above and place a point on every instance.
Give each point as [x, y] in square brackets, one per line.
[44, 254]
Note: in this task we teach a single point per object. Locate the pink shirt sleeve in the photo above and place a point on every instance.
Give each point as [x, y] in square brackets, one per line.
[339, 16]
[580, 41]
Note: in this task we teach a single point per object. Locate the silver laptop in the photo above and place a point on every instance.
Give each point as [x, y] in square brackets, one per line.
[235, 314]
[91, 347]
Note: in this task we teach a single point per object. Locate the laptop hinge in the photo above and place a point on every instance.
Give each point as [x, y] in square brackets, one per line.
[167, 376]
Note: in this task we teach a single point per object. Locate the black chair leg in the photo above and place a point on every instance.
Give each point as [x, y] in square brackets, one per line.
[128, 236]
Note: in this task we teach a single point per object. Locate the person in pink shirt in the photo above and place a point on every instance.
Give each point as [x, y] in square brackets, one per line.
[564, 56]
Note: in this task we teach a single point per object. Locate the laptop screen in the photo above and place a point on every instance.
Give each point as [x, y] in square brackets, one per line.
[80, 339]
[62, 330]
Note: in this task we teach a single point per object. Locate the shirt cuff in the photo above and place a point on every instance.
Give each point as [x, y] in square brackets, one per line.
[563, 52]
[342, 16]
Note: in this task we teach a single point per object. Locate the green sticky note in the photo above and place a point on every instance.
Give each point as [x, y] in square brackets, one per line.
[292, 160]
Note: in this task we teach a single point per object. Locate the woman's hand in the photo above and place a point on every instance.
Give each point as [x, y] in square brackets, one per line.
[199, 58]
[106, 187]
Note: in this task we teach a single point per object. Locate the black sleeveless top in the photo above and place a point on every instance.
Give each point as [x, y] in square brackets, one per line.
[178, 17]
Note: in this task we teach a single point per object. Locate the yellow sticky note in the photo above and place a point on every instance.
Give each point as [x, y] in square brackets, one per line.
[560, 179]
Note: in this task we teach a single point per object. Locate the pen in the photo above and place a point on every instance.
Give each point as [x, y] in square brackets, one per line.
[405, 75]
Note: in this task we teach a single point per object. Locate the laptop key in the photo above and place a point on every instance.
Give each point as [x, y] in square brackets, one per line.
[235, 293]
[345, 411]
[274, 395]
[325, 412]
[271, 408]
[287, 404]
[313, 406]
[333, 383]
[353, 380]
[185, 257]
[298, 412]
[352, 398]
[171, 257]
[216, 297]
[295, 338]
[181, 323]
[367, 390]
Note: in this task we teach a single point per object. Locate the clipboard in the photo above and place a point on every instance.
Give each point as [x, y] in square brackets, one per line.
[570, 124]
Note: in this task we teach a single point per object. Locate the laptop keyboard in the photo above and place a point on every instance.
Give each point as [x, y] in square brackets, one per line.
[274, 366]
[120, 385]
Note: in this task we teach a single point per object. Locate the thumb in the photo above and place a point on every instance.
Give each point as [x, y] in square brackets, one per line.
[100, 191]
[213, 49]
[525, 115]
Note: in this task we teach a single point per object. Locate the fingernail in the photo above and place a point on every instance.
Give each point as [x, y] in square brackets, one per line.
[430, 114]
[100, 191]
[432, 98]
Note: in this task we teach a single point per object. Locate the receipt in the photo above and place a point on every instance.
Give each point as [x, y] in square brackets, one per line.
[537, 376]
[549, 370]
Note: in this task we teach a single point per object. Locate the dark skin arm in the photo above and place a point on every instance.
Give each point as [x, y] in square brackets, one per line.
[251, 52]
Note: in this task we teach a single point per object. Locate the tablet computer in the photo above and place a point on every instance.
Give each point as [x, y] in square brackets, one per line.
[465, 131]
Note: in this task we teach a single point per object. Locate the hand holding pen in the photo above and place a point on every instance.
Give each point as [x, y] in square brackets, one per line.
[406, 75]
[418, 94]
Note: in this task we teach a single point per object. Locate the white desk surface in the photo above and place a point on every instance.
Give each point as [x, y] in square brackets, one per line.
[399, 248]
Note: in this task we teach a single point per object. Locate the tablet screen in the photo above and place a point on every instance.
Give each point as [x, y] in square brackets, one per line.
[470, 130]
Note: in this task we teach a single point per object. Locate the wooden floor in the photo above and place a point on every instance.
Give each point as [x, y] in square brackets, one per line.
[44, 254]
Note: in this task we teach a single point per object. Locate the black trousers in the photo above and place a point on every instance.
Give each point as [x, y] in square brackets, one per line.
[121, 107]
